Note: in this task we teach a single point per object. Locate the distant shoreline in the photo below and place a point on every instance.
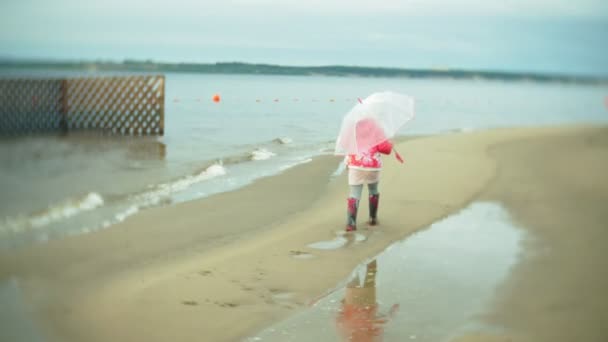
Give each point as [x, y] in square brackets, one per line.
[238, 68]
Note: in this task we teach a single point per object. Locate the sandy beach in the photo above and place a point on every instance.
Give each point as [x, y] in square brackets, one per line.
[212, 269]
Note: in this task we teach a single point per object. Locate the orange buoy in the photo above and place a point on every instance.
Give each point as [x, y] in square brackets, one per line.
[216, 98]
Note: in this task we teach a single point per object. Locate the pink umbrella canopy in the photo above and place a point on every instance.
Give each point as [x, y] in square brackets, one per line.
[376, 119]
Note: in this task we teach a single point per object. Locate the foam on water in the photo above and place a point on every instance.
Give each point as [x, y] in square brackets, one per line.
[283, 140]
[163, 192]
[53, 213]
[262, 154]
[132, 210]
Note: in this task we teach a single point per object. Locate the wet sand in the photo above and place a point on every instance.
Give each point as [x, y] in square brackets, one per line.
[558, 290]
[430, 286]
[223, 267]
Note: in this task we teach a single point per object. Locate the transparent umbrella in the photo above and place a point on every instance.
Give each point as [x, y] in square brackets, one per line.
[372, 121]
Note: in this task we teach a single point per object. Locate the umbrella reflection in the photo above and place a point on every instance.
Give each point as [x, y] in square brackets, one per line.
[359, 319]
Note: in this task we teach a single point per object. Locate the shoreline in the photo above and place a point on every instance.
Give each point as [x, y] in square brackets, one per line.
[244, 68]
[107, 196]
[98, 286]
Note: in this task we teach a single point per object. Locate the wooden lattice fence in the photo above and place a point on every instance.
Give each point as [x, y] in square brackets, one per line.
[126, 105]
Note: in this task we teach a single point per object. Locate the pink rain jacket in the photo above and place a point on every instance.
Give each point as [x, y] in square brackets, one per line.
[370, 160]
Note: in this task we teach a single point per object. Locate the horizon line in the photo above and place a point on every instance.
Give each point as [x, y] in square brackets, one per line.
[436, 69]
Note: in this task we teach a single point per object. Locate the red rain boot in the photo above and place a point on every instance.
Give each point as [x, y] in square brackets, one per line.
[351, 214]
[373, 209]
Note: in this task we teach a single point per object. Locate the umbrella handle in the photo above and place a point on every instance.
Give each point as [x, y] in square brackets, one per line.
[398, 156]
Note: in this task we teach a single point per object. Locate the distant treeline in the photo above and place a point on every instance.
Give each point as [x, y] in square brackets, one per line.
[268, 69]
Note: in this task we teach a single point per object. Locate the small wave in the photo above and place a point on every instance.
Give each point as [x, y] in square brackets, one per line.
[283, 140]
[163, 191]
[262, 154]
[63, 210]
[161, 194]
[123, 215]
[183, 183]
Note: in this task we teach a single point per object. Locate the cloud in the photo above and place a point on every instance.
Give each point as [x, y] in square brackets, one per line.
[566, 8]
[408, 33]
[206, 8]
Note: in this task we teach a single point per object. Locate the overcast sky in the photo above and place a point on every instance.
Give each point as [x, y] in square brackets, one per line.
[560, 36]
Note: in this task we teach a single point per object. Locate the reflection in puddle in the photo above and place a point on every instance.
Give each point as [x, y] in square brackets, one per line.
[428, 287]
[15, 324]
[358, 318]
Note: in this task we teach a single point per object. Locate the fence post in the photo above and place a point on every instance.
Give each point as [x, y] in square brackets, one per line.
[63, 110]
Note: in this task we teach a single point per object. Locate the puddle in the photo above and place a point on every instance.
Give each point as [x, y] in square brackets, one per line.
[339, 241]
[429, 287]
[360, 237]
[15, 322]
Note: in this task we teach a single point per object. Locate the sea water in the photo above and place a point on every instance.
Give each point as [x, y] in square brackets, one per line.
[56, 186]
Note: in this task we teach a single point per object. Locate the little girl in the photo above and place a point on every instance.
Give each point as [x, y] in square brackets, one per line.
[364, 168]
[364, 138]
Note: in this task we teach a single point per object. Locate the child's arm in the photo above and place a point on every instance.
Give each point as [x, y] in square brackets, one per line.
[398, 156]
[385, 147]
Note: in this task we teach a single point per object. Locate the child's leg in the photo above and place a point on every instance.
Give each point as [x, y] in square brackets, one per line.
[353, 205]
[373, 188]
[374, 200]
[370, 275]
[355, 191]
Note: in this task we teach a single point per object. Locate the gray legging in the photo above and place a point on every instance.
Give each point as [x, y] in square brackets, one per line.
[355, 190]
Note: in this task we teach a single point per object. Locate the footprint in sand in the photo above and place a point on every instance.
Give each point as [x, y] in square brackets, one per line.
[226, 304]
[259, 274]
[274, 296]
[190, 302]
[300, 255]
[284, 299]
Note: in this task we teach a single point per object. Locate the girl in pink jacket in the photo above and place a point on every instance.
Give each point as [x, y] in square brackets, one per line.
[364, 168]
